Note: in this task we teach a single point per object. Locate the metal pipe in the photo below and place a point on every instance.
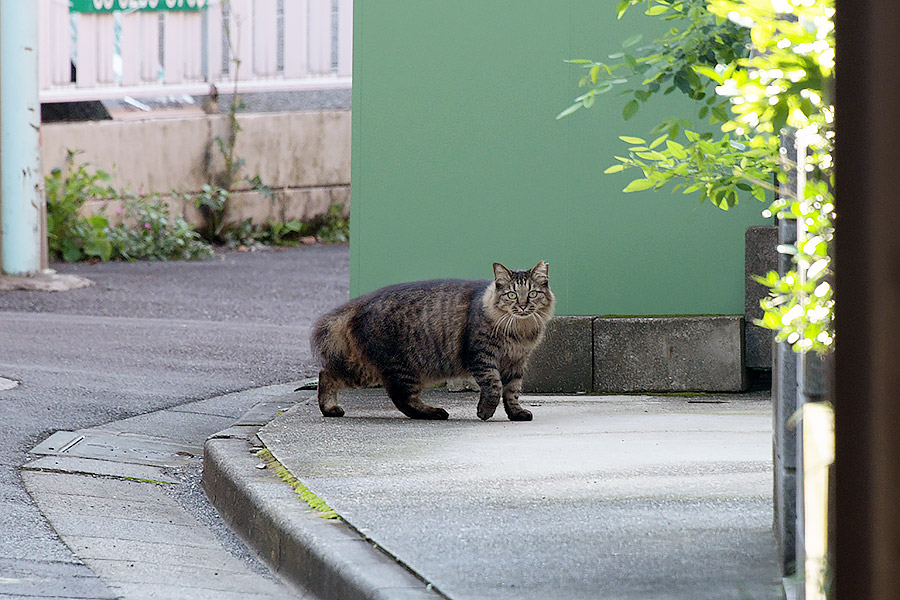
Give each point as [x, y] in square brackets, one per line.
[21, 196]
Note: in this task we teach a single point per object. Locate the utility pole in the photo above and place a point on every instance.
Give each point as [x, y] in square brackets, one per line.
[21, 196]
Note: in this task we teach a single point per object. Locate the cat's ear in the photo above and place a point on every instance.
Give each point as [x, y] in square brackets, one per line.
[540, 274]
[502, 275]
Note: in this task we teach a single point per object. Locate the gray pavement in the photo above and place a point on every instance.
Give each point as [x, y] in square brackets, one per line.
[619, 497]
[599, 497]
[141, 345]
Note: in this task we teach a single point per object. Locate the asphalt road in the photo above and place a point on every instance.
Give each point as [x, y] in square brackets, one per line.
[146, 337]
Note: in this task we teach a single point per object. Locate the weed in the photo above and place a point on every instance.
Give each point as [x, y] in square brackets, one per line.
[70, 236]
[314, 502]
[281, 233]
[332, 227]
[211, 201]
[149, 231]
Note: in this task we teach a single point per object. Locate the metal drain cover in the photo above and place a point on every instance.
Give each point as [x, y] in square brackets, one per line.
[133, 449]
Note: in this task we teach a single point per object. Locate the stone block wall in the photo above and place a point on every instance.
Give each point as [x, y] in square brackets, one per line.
[304, 156]
[639, 355]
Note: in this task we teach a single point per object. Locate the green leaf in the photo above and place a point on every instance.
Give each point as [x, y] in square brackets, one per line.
[707, 148]
[676, 149]
[630, 109]
[639, 185]
[708, 72]
[631, 140]
[615, 169]
[632, 40]
[652, 155]
[674, 130]
[659, 140]
[569, 110]
[657, 10]
[71, 252]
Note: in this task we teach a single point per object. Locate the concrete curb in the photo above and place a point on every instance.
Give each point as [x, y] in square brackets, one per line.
[47, 281]
[328, 558]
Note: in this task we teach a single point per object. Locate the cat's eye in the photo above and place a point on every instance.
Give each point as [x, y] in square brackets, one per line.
[511, 295]
[532, 294]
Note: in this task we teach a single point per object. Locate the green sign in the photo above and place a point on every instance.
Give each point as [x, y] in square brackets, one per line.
[102, 6]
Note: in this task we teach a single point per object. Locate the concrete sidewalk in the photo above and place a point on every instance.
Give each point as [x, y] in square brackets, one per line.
[614, 497]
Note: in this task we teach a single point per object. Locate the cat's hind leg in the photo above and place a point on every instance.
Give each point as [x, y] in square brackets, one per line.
[329, 385]
[404, 393]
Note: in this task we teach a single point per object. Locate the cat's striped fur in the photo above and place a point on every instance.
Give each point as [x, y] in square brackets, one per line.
[412, 335]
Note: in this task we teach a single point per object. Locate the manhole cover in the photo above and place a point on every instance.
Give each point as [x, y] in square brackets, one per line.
[119, 448]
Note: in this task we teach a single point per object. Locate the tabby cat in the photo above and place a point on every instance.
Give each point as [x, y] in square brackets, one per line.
[412, 335]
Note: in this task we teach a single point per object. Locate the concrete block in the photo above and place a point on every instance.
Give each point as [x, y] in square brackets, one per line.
[287, 150]
[760, 257]
[669, 354]
[563, 360]
[306, 203]
[296, 149]
[251, 205]
[154, 155]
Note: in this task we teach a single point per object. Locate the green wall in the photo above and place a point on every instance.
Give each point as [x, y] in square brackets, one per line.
[458, 161]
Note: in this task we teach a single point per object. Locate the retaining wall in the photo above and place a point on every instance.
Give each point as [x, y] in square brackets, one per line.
[304, 156]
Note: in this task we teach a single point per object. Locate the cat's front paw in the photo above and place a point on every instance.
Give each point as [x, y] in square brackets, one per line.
[486, 409]
[333, 411]
[519, 414]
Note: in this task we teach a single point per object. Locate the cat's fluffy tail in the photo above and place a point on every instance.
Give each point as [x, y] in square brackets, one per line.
[338, 352]
[330, 339]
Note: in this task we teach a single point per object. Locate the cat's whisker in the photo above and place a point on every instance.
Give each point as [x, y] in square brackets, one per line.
[500, 325]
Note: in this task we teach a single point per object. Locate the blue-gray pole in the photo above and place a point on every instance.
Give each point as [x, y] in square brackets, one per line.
[21, 196]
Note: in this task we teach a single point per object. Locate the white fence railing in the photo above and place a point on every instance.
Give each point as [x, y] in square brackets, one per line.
[281, 44]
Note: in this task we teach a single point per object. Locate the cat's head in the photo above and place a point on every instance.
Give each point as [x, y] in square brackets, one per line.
[524, 294]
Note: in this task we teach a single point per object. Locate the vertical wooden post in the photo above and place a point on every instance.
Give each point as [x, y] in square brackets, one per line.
[867, 295]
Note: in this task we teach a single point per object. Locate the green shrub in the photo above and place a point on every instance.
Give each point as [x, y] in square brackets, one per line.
[149, 231]
[332, 227]
[70, 236]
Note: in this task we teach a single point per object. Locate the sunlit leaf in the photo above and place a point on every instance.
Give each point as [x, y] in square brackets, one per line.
[631, 140]
[639, 185]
